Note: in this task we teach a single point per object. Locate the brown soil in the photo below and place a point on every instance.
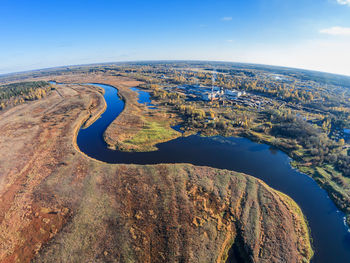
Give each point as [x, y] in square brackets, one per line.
[57, 205]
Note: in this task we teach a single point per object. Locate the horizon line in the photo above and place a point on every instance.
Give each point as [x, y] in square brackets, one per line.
[167, 60]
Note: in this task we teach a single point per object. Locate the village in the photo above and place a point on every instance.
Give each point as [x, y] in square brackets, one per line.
[220, 94]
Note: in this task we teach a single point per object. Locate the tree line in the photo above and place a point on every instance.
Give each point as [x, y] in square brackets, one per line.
[17, 93]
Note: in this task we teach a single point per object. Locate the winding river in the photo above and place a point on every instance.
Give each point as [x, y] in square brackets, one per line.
[331, 238]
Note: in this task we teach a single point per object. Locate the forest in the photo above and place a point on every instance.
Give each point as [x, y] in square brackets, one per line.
[17, 93]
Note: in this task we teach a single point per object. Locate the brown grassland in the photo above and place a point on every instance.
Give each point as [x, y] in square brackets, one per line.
[58, 205]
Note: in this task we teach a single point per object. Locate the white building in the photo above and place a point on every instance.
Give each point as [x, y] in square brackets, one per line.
[233, 93]
[210, 96]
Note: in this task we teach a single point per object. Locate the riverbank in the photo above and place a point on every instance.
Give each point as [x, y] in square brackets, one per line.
[58, 205]
[137, 128]
[326, 219]
[210, 119]
[97, 107]
[337, 186]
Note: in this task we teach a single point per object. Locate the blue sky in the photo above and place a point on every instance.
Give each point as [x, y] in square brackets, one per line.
[312, 34]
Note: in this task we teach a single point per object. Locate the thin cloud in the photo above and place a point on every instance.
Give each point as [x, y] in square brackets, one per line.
[336, 30]
[226, 18]
[344, 2]
[229, 40]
